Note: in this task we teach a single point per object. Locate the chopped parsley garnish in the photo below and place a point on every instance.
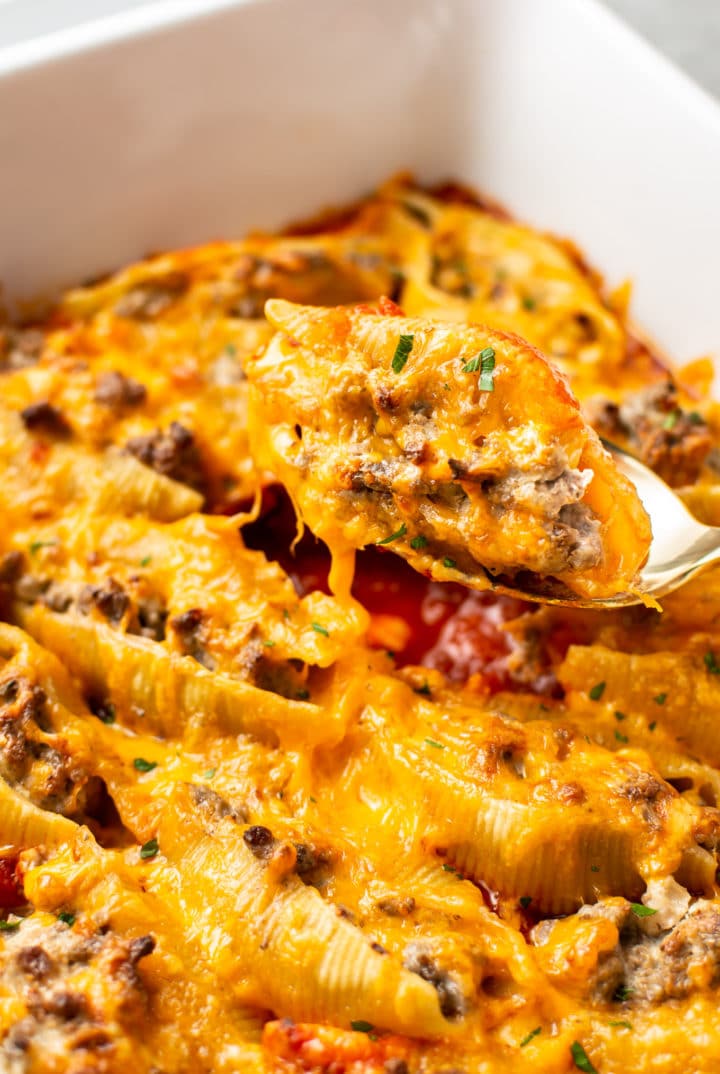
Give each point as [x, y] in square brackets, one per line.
[596, 692]
[145, 561]
[209, 773]
[395, 536]
[149, 849]
[533, 1033]
[485, 362]
[230, 349]
[418, 542]
[9, 926]
[695, 417]
[660, 699]
[424, 689]
[487, 370]
[268, 643]
[446, 386]
[320, 629]
[313, 800]
[620, 736]
[711, 663]
[621, 1022]
[449, 563]
[652, 726]
[67, 918]
[622, 992]
[302, 695]
[525, 901]
[672, 419]
[529, 303]
[434, 744]
[642, 911]
[594, 868]
[35, 546]
[144, 766]
[581, 1059]
[402, 352]
[286, 613]
[448, 868]
[361, 1026]
[619, 715]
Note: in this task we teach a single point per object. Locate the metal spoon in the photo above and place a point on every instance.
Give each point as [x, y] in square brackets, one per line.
[681, 547]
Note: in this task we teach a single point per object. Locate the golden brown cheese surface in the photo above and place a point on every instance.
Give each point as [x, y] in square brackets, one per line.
[248, 825]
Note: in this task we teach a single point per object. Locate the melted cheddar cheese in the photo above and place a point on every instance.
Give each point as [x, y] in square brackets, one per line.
[255, 822]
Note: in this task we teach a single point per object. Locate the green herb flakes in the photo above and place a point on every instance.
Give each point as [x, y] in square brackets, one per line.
[434, 744]
[642, 911]
[302, 695]
[361, 1026]
[530, 1036]
[67, 918]
[711, 663]
[621, 1022]
[652, 726]
[209, 773]
[485, 363]
[620, 736]
[320, 629]
[487, 370]
[395, 536]
[525, 901]
[580, 1058]
[596, 692]
[149, 849]
[660, 699]
[672, 419]
[9, 926]
[402, 353]
[144, 766]
[528, 303]
[449, 563]
[418, 542]
[146, 561]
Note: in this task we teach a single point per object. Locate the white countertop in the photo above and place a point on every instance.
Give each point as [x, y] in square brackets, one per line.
[688, 31]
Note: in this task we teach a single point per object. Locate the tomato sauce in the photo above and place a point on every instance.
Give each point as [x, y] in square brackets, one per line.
[11, 893]
[445, 626]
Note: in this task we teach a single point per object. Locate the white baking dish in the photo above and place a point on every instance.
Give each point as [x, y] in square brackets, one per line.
[182, 121]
